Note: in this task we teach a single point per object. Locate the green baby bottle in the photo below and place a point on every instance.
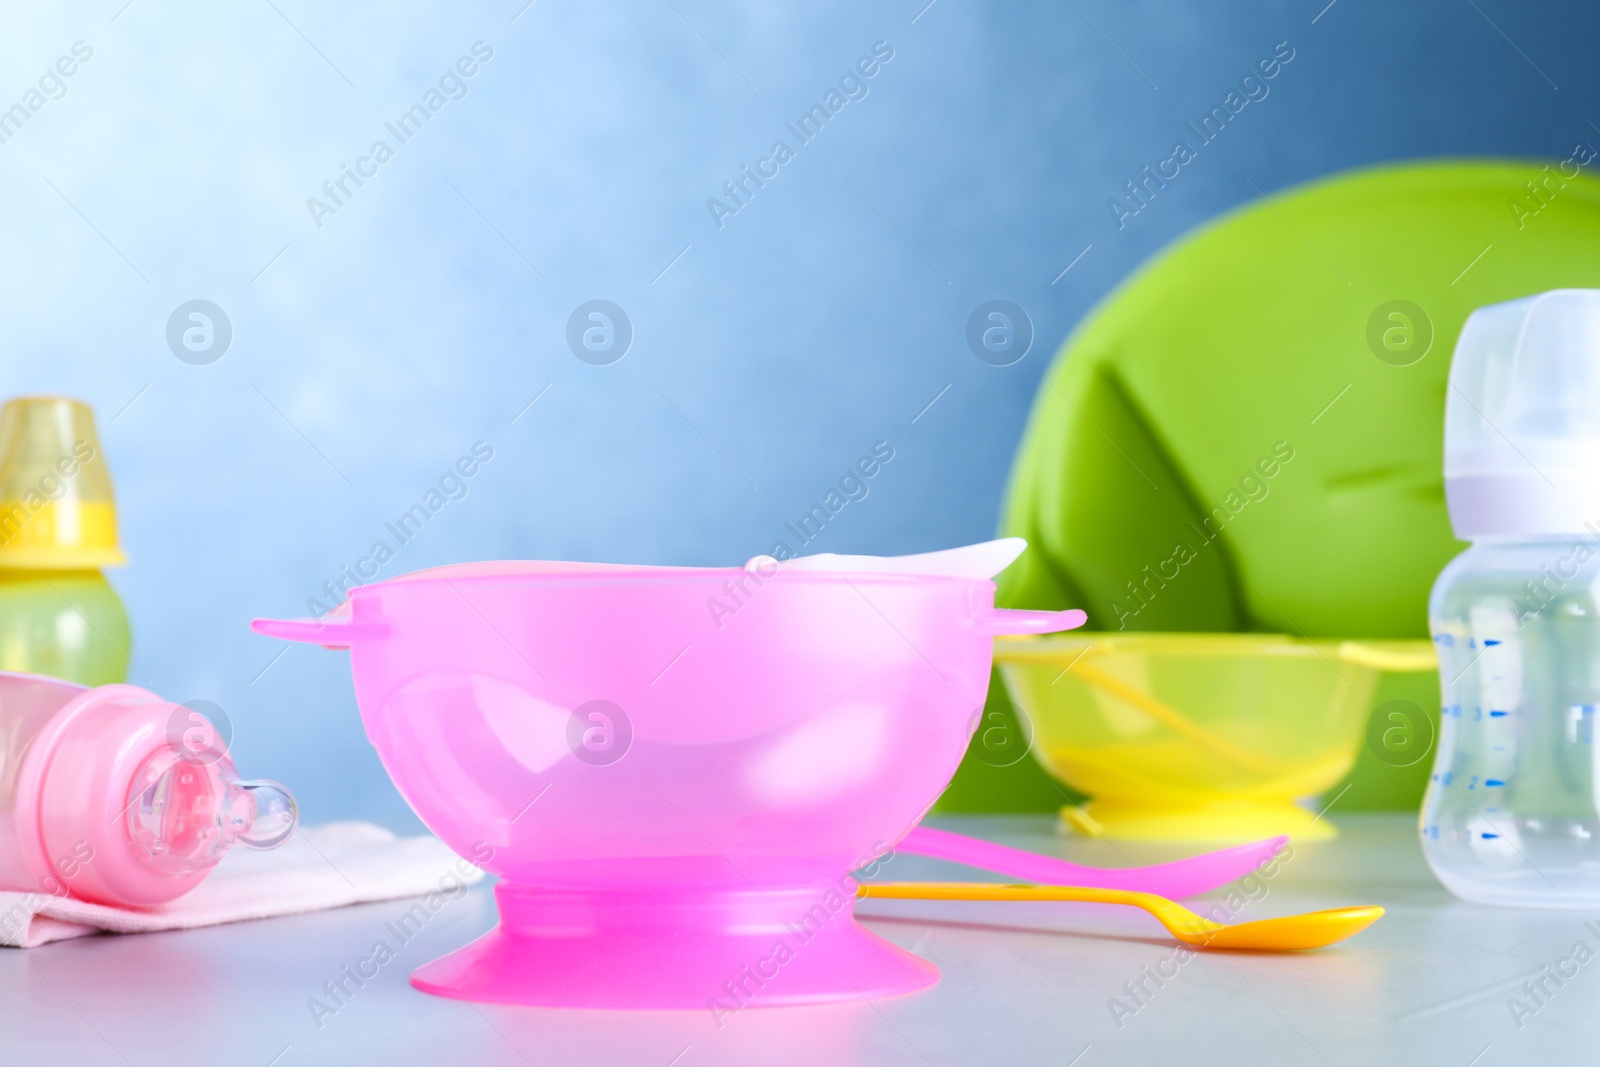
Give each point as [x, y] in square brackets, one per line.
[58, 526]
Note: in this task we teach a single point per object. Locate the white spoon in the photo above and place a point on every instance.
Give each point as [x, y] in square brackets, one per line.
[983, 560]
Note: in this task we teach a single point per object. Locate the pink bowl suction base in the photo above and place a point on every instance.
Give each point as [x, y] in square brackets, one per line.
[722, 950]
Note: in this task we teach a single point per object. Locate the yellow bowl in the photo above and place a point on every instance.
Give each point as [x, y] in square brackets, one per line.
[1198, 737]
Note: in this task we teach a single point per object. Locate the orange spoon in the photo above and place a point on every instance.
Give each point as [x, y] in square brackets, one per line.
[1286, 933]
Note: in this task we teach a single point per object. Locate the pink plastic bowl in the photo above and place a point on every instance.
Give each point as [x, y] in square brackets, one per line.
[673, 770]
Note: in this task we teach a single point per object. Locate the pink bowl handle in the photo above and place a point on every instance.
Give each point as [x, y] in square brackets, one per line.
[330, 631]
[1003, 621]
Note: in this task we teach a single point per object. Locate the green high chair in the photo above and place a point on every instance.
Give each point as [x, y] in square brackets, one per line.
[1317, 321]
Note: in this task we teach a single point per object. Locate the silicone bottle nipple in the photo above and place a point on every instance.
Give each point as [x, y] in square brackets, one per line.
[185, 811]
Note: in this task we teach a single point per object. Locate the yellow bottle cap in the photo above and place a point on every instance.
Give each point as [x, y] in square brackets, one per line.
[56, 508]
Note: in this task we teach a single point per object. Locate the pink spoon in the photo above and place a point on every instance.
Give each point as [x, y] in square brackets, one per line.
[1181, 878]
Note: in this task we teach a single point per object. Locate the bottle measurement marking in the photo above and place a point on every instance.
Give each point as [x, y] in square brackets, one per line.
[1483, 713]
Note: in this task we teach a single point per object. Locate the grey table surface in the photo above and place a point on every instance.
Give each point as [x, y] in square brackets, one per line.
[1022, 984]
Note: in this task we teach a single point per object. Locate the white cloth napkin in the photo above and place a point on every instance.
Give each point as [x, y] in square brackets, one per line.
[319, 867]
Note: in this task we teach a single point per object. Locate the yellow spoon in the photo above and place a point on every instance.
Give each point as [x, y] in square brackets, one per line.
[1284, 934]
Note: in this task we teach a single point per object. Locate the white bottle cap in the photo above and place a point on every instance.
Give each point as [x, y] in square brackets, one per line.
[1522, 418]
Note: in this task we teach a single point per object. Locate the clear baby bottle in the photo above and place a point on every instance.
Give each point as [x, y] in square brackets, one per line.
[1512, 812]
[116, 796]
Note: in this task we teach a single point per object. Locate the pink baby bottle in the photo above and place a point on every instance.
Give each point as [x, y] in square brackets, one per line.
[116, 796]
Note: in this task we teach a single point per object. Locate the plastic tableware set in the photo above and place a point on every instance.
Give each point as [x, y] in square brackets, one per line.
[675, 800]
[766, 760]
[669, 802]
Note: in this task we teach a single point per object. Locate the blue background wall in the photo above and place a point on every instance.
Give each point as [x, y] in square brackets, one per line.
[431, 308]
